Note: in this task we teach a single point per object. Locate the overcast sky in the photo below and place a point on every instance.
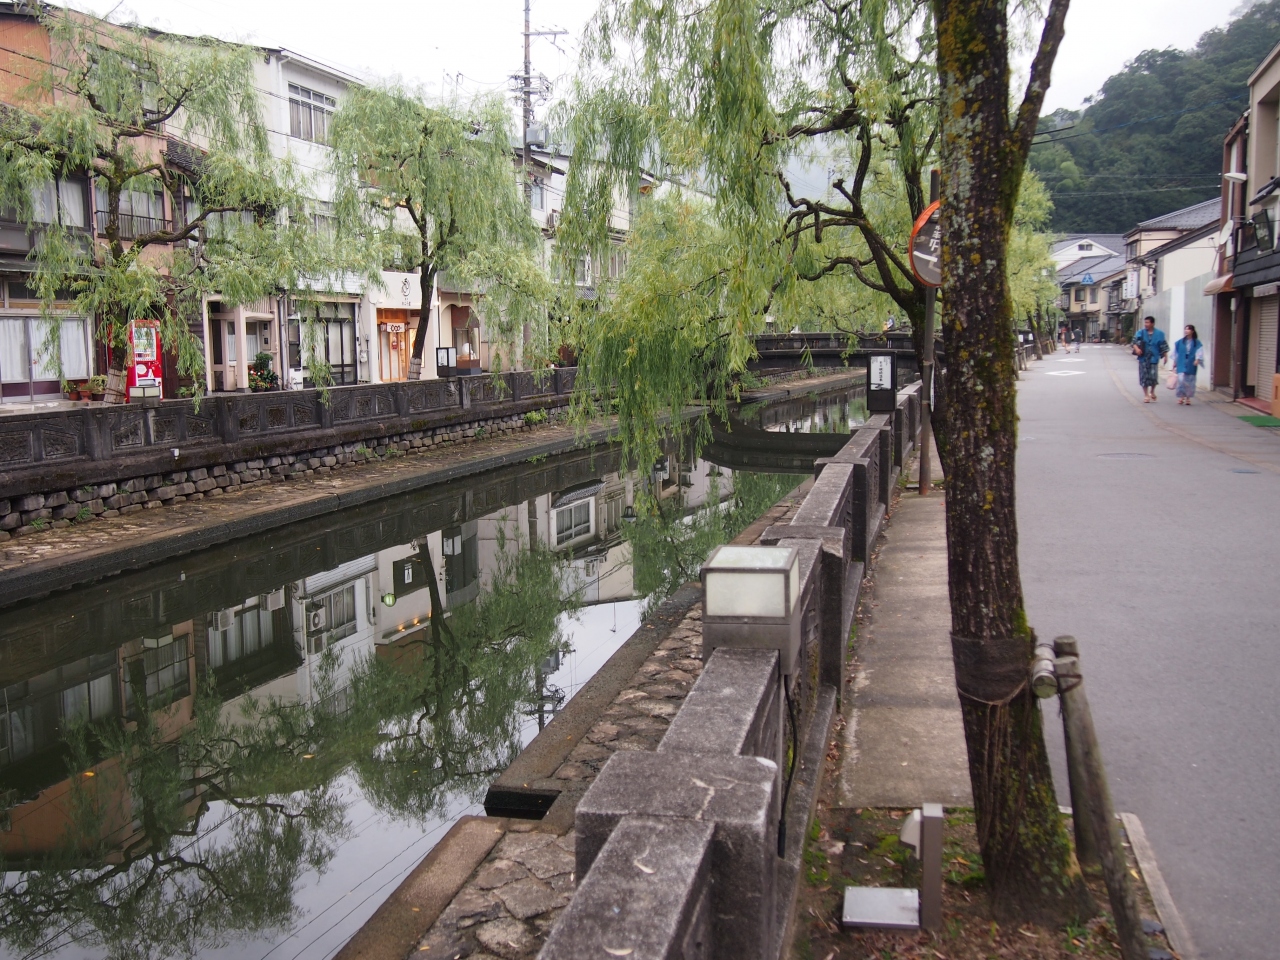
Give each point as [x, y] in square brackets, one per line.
[478, 42]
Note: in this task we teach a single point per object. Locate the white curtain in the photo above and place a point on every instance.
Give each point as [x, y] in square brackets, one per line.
[13, 350]
[75, 350]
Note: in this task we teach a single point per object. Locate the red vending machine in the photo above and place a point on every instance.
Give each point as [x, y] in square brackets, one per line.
[145, 375]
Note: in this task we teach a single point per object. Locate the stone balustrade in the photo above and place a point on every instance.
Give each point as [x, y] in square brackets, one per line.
[60, 466]
[677, 851]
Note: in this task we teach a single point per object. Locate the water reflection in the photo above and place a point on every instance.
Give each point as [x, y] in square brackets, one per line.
[242, 752]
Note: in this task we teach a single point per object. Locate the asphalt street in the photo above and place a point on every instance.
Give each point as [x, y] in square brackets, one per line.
[1151, 532]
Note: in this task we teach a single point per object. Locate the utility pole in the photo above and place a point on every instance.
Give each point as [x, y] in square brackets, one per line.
[525, 91]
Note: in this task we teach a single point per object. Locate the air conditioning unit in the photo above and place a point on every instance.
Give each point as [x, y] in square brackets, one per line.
[275, 600]
[223, 619]
[317, 620]
[551, 219]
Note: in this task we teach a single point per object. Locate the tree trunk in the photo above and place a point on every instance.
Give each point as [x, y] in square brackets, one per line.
[1031, 871]
[427, 283]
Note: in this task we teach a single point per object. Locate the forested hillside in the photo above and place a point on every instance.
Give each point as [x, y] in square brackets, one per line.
[1151, 141]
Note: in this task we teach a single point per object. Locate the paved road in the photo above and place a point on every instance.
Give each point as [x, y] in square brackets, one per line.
[1166, 566]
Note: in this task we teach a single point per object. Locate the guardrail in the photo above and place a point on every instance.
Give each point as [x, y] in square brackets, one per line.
[677, 851]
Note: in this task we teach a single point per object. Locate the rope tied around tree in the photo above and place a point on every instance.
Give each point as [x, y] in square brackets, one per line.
[990, 671]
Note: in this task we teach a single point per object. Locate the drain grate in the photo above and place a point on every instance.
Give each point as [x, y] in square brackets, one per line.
[1126, 456]
[1242, 470]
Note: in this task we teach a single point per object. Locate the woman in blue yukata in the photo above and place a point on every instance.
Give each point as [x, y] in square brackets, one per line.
[1150, 347]
[1188, 353]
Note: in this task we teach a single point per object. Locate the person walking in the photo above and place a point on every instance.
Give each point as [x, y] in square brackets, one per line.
[1188, 354]
[1076, 338]
[1150, 347]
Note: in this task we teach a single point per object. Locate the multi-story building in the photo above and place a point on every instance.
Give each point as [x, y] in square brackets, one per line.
[1246, 291]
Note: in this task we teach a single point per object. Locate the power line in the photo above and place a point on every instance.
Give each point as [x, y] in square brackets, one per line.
[1130, 193]
[1130, 123]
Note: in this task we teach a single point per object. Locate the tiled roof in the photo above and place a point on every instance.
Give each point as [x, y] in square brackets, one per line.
[1188, 218]
[1100, 267]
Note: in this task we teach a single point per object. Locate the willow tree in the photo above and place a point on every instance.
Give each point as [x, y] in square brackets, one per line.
[801, 130]
[1026, 854]
[435, 189]
[165, 134]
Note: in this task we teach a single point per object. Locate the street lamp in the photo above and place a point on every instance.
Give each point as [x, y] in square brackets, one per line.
[751, 597]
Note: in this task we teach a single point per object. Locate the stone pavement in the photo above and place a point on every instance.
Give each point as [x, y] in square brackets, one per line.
[904, 742]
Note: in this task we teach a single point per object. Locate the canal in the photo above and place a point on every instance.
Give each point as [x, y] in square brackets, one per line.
[243, 751]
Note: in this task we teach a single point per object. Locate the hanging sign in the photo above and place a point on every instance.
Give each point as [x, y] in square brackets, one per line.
[926, 246]
[394, 327]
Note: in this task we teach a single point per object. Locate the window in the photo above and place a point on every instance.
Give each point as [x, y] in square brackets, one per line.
[537, 195]
[141, 211]
[309, 114]
[617, 264]
[1085, 246]
[245, 632]
[1079, 295]
[461, 560]
[582, 270]
[338, 614]
[573, 521]
[1131, 250]
[323, 222]
[57, 201]
[1093, 294]
[165, 667]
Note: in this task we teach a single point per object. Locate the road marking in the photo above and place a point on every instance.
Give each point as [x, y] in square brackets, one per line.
[1174, 926]
[1069, 359]
[1064, 373]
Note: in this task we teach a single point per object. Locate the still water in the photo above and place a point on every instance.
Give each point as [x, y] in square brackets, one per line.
[242, 752]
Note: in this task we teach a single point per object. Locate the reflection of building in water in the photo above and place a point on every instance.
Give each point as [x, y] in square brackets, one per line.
[39, 712]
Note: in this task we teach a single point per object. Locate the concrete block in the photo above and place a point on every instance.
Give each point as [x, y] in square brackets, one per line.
[198, 474]
[131, 508]
[4, 507]
[218, 471]
[734, 709]
[11, 521]
[650, 899]
[153, 482]
[255, 464]
[30, 516]
[95, 506]
[179, 476]
[134, 485]
[107, 490]
[185, 489]
[737, 794]
[205, 483]
[329, 461]
[67, 511]
[164, 493]
[60, 524]
[32, 501]
[108, 514]
[82, 494]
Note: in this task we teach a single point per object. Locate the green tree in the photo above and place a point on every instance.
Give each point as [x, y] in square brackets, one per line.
[1026, 855]
[178, 220]
[801, 131]
[434, 189]
[1151, 140]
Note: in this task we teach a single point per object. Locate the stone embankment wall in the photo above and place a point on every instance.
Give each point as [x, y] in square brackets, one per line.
[72, 466]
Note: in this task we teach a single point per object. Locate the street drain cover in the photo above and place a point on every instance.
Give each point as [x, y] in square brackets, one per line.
[1125, 456]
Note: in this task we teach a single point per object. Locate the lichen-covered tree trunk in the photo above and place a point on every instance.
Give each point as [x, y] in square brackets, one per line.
[1031, 871]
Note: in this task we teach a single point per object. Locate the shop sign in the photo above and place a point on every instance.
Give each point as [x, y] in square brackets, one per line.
[394, 327]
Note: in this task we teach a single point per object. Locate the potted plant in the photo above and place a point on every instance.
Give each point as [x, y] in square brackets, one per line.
[261, 376]
[97, 387]
[73, 391]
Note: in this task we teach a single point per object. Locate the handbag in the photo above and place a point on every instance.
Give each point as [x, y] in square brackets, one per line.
[1171, 381]
[1138, 349]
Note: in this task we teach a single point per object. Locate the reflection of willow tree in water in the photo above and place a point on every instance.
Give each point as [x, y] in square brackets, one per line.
[669, 547]
[451, 707]
[222, 820]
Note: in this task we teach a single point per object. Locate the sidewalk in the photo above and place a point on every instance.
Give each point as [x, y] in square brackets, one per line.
[904, 741]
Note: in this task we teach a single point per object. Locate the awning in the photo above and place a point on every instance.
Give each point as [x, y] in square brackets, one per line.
[1219, 285]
